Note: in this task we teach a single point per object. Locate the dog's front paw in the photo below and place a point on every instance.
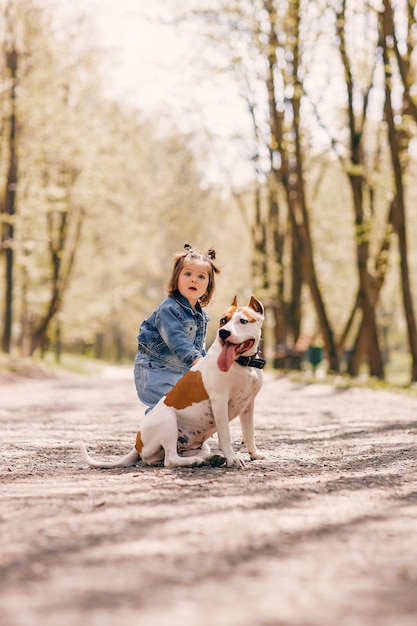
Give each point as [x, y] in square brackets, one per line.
[235, 462]
[257, 456]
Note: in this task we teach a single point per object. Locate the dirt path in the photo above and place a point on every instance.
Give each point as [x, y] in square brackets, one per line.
[321, 533]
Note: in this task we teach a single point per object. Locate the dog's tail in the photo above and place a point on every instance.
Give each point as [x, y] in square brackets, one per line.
[129, 459]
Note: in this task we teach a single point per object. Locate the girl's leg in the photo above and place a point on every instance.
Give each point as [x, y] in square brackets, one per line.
[153, 381]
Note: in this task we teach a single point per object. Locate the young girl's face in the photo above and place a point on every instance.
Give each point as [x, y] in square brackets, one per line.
[193, 281]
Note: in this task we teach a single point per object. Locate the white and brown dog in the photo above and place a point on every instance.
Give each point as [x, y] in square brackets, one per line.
[220, 387]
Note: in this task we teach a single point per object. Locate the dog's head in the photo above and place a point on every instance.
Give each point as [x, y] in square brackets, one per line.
[239, 333]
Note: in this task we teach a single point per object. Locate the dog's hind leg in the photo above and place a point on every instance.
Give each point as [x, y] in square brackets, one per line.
[190, 458]
[159, 429]
[204, 451]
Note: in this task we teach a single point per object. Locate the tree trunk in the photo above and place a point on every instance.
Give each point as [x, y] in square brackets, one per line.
[7, 238]
[387, 36]
[63, 253]
[367, 342]
[289, 174]
[377, 281]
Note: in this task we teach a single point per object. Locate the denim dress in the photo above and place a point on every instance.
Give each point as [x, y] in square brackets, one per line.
[168, 342]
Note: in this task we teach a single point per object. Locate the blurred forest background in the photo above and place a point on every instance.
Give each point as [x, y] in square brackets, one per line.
[312, 208]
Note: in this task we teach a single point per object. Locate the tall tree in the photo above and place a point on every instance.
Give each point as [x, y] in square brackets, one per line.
[399, 139]
[367, 340]
[264, 47]
[8, 200]
[55, 111]
[286, 136]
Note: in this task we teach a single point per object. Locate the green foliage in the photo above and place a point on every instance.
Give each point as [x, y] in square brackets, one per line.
[107, 195]
[105, 199]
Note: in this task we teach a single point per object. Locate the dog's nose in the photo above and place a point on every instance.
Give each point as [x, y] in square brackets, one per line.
[224, 334]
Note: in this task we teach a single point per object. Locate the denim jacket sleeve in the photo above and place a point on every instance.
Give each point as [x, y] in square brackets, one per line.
[172, 330]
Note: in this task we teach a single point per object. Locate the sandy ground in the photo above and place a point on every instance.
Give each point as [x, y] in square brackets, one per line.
[323, 532]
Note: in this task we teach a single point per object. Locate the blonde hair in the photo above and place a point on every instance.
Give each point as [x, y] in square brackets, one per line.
[194, 256]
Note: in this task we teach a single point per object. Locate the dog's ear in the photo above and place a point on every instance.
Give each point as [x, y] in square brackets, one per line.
[256, 305]
[234, 303]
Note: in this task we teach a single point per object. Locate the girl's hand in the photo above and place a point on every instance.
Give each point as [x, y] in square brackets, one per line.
[199, 358]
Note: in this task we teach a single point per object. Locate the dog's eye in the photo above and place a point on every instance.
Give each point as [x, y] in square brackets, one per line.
[243, 321]
[223, 321]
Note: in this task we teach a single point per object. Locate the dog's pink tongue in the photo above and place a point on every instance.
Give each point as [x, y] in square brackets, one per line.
[227, 356]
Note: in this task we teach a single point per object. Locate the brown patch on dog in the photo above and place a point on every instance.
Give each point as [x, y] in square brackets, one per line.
[188, 390]
[139, 443]
[227, 316]
[250, 318]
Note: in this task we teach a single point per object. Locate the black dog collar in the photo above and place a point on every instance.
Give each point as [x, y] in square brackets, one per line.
[251, 361]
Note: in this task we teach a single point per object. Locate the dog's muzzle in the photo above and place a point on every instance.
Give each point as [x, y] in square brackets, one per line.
[224, 334]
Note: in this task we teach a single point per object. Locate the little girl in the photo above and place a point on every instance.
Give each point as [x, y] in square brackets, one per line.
[172, 339]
